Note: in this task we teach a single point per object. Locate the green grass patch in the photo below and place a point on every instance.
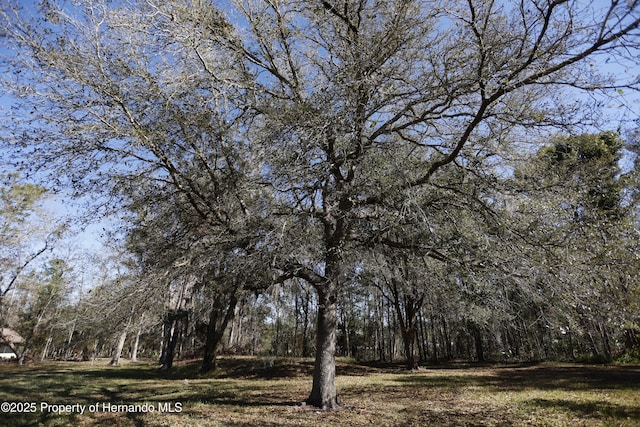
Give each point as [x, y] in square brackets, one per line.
[268, 392]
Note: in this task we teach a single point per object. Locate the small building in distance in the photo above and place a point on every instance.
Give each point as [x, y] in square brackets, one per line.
[8, 337]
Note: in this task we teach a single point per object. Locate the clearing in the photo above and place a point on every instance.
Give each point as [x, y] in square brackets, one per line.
[268, 392]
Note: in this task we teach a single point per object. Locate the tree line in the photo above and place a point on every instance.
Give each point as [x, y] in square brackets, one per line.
[375, 179]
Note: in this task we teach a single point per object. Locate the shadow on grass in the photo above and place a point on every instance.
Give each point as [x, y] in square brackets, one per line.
[543, 377]
[265, 368]
[277, 368]
[135, 384]
[590, 409]
[572, 377]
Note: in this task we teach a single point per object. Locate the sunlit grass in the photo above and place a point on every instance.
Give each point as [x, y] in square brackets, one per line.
[253, 391]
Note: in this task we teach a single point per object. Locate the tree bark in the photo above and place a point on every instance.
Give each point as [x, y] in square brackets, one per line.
[22, 358]
[215, 333]
[409, 338]
[423, 347]
[306, 350]
[407, 313]
[631, 339]
[136, 342]
[69, 350]
[172, 323]
[43, 356]
[476, 332]
[115, 359]
[434, 340]
[323, 392]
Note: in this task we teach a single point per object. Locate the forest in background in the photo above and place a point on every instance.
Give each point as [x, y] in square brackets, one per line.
[546, 297]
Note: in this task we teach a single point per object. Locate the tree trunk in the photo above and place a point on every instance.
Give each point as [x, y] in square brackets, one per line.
[23, 356]
[170, 341]
[215, 333]
[85, 354]
[476, 332]
[391, 333]
[606, 345]
[446, 337]
[423, 347]
[407, 322]
[346, 350]
[409, 338]
[43, 356]
[136, 342]
[323, 392]
[407, 307]
[631, 339]
[306, 350]
[434, 340]
[379, 321]
[69, 350]
[115, 359]
[94, 351]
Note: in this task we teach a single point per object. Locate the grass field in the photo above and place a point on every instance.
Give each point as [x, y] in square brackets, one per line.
[267, 392]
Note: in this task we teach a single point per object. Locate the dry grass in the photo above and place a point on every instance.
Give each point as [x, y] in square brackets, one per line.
[256, 392]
